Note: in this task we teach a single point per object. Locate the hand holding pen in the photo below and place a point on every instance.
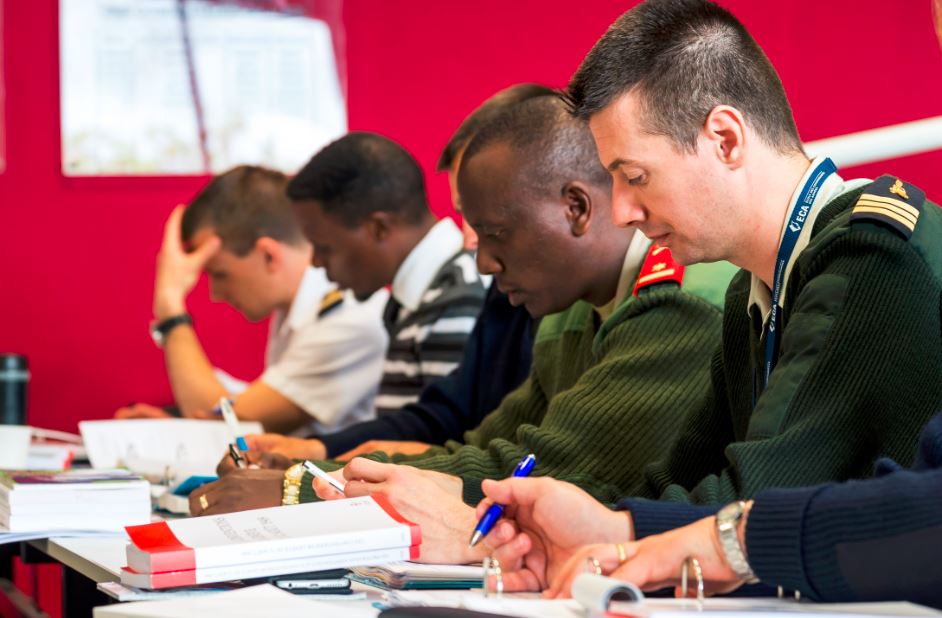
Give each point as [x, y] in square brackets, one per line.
[238, 447]
[229, 415]
[493, 513]
[318, 473]
[237, 457]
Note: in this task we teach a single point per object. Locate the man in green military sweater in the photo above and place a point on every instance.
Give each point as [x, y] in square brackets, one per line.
[832, 334]
[831, 350]
[612, 375]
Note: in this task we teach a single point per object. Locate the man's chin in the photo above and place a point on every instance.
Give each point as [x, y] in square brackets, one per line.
[363, 296]
[539, 310]
[679, 252]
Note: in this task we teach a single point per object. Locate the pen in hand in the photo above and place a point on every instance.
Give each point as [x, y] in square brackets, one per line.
[237, 457]
[493, 513]
[229, 415]
[310, 467]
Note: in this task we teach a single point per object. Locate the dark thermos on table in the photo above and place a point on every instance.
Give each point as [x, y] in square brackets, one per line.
[14, 378]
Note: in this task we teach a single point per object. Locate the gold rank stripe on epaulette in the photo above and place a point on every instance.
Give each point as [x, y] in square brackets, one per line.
[890, 202]
[659, 267]
[330, 301]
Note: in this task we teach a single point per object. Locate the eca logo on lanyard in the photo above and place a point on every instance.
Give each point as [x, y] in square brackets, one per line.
[796, 222]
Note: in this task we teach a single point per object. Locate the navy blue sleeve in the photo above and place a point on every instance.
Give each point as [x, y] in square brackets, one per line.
[496, 360]
[878, 539]
[653, 517]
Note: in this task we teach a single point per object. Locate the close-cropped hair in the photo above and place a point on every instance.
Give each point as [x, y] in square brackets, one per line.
[362, 173]
[241, 206]
[554, 147]
[483, 114]
[684, 58]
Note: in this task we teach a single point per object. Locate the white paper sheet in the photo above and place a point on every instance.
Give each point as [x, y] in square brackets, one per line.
[150, 446]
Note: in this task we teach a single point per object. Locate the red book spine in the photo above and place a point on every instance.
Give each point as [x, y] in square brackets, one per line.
[166, 551]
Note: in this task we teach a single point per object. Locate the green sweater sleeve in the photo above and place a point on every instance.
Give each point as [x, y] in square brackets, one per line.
[857, 378]
[649, 370]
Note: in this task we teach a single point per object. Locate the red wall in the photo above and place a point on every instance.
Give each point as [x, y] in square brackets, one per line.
[77, 255]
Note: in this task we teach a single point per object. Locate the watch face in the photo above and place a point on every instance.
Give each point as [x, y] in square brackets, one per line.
[159, 330]
[157, 336]
[730, 513]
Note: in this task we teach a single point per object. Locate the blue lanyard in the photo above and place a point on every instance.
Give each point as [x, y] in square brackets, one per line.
[796, 222]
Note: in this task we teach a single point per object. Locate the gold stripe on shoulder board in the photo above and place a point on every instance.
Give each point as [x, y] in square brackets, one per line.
[330, 300]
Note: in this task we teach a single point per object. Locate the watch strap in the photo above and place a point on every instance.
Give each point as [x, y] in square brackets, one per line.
[161, 329]
[727, 524]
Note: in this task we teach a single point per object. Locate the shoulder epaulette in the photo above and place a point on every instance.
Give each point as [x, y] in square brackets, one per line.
[331, 301]
[890, 202]
[659, 267]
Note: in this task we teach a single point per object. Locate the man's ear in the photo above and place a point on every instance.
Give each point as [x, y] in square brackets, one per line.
[379, 225]
[724, 132]
[578, 203]
[271, 251]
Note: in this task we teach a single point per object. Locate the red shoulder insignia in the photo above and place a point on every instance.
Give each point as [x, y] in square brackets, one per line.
[658, 267]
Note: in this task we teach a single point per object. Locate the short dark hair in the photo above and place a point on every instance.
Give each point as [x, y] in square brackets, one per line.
[555, 147]
[362, 173]
[243, 205]
[483, 114]
[685, 57]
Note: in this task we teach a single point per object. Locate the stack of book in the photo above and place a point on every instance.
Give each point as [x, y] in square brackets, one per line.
[267, 542]
[413, 576]
[35, 501]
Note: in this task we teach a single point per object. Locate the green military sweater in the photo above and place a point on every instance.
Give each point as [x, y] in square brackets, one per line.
[858, 373]
[601, 400]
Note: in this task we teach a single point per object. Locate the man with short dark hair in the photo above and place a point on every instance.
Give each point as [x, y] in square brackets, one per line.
[496, 359]
[831, 350]
[361, 201]
[324, 355]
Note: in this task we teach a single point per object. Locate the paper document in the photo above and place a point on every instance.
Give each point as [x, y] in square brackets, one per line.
[249, 602]
[16, 537]
[151, 446]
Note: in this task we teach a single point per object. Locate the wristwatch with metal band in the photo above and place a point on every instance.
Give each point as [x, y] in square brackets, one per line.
[727, 523]
[160, 330]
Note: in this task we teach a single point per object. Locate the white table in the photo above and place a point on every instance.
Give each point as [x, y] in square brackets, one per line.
[98, 558]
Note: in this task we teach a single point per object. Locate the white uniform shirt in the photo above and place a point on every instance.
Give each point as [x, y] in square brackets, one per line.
[329, 365]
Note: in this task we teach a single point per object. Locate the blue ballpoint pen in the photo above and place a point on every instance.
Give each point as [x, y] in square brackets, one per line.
[524, 468]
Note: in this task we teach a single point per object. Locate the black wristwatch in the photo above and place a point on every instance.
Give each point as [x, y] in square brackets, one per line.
[160, 330]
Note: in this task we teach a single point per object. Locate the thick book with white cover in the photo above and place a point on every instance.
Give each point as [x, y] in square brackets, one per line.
[75, 499]
[249, 570]
[355, 525]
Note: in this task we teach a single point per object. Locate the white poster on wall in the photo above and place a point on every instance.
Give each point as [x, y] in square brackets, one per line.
[267, 84]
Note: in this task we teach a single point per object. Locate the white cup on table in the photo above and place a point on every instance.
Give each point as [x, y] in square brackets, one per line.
[14, 446]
